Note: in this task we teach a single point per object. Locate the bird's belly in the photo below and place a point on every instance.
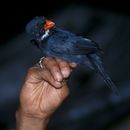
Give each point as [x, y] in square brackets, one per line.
[70, 58]
[79, 59]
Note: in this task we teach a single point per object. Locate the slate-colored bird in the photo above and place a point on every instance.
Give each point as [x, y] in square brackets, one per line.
[58, 43]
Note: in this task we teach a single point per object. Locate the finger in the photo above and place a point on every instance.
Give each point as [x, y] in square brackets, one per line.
[53, 67]
[64, 91]
[47, 76]
[64, 67]
[37, 75]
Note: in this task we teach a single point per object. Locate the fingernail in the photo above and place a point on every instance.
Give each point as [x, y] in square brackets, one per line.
[58, 77]
[65, 72]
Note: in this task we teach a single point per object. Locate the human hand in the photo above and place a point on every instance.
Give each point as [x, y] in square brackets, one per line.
[45, 89]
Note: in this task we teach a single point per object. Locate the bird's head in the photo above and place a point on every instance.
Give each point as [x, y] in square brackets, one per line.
[39, 28]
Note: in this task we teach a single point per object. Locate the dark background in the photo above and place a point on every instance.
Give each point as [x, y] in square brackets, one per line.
[15, 15]
[91, 105]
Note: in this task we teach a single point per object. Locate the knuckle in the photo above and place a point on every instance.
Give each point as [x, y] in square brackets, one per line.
[50, 63]
[55, 68]
[65, 68]
[64, 64]
[48, 60]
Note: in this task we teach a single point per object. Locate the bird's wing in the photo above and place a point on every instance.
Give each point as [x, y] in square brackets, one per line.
[85, 46]
[77, 46]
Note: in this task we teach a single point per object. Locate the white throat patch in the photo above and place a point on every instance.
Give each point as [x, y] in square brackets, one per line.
[45, 35]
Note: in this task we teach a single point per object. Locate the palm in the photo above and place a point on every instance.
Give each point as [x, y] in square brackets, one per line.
[45, 89]
[40, 97]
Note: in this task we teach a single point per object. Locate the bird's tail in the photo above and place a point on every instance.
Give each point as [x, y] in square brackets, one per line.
[97, 64]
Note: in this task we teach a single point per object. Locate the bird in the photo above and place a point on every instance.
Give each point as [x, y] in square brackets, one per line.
[58, 43]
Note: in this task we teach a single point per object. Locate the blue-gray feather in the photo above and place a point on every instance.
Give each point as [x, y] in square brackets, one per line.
[70, 47]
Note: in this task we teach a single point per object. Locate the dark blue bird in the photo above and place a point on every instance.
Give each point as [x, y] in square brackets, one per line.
[55, 42]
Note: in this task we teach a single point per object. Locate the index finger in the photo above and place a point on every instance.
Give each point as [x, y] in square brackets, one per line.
[51, 64]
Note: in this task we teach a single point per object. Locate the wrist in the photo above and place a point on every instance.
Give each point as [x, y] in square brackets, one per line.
[24, 122]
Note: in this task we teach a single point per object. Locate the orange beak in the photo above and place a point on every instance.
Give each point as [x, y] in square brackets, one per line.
[49, 24]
